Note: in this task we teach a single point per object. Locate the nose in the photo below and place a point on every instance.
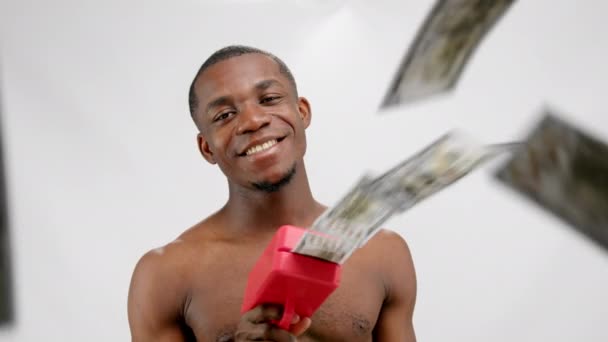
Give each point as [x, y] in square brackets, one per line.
[251, 119]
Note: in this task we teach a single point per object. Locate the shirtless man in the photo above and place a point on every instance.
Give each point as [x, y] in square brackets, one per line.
[252, 124]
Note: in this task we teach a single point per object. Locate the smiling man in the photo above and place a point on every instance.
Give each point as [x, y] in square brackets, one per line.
[252, 124]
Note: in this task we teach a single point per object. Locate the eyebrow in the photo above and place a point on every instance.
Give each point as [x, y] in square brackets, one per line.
[224, 100]
[265, 84]
[220, 101]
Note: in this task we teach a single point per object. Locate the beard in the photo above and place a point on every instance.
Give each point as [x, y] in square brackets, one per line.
[269, 187]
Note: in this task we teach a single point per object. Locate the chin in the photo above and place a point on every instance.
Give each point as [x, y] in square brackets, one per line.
[277, 171]
[276, 181]
[274, 177]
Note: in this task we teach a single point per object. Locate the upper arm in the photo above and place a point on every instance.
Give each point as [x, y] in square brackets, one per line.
[395, 322]
[154, 304]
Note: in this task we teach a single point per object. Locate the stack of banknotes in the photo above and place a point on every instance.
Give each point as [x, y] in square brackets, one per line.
[358, 216]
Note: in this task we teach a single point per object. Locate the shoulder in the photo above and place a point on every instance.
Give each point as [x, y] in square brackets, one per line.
[391, 253]
[172, 262]
[160, 273]
[389, 245]
[394, 261]
[162, 276]
[159, 263]
[157, 293]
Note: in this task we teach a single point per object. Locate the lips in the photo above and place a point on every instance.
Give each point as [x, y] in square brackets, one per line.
[260, 145]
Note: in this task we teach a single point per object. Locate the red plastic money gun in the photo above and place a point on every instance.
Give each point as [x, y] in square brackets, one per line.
[299, 283]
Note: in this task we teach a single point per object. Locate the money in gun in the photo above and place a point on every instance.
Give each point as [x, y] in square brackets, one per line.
[359, 214]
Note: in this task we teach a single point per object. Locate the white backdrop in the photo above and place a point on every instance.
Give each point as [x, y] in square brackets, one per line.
[102, 161]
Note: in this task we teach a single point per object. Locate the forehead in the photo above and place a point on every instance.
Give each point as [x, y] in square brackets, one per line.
[235, 74]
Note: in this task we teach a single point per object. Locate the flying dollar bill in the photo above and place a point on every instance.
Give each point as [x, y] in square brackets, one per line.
[443, 46]
[563, 169]
[358, 216]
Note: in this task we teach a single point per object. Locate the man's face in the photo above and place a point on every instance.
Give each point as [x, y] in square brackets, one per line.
[252, 125]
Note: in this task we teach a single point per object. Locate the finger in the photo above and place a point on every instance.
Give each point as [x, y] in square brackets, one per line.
[256, 332]
[264, 332]
[301, 326]
[277, 334]
[263, 313]
[253, 315]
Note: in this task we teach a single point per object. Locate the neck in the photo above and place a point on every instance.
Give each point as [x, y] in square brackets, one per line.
[251, 209]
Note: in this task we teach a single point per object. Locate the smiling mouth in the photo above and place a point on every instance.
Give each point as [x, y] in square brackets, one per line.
[261, 147]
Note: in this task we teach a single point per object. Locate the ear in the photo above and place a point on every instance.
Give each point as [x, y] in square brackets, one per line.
[203, 147]
[304, 111]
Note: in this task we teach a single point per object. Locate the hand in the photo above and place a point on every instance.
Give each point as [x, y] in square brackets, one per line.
[255, 325]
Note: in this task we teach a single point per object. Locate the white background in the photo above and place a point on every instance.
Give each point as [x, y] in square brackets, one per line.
[103, 166]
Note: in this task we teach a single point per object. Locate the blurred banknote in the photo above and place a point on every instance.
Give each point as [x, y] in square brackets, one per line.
[358, 216]
[444, 44]
[563, 170]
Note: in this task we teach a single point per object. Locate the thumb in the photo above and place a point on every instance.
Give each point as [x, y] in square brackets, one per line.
[301, 326]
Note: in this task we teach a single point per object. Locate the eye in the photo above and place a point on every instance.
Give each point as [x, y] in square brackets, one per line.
[269, 99]
[223, 116]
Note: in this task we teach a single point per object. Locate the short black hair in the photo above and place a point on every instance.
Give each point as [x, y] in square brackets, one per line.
[235, 51]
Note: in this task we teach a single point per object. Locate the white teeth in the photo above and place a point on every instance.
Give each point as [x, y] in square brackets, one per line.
[261, 147]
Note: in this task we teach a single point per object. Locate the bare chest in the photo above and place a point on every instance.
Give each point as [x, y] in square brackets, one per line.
[349, 314]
